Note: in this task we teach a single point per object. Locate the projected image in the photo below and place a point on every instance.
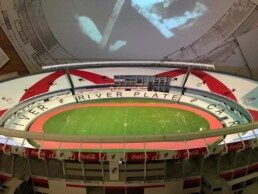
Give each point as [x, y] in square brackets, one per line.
[155, 10]
[130, 29]
[151, 10]
[90, 29]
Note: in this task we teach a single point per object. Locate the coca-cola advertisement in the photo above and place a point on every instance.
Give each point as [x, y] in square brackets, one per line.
[92, 156]
[71, 156]
[197, 153]
[31, 152]
[43, 153]
[193, 153]
[5, 148]
[216, 149]
[167, 154]
[47, 154]
[249, 143]
[152, 155]
[141, 156]
[1, 146]
[18, 150]
[235, 146]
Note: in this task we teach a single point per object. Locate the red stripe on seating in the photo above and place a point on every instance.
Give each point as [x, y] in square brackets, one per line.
[253, 167]
[226, 174]
[140, 186]
[2, 112]
[4, 177]
[173, 73]
[215, 85]
[77, 186]
[194, 180]
[254, 114]
[92, 77]
[38, 180]
[240, 171]
[41, 86]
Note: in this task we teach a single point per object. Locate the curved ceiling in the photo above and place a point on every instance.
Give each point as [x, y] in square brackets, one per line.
[220, 32]
[132, 29]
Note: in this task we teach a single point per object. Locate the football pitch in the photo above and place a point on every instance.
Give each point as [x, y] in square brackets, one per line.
[125, 120]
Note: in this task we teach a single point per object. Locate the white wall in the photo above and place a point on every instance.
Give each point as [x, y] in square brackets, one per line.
[57, 186]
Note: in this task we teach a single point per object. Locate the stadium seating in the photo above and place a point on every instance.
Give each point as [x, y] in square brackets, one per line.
[233, 156]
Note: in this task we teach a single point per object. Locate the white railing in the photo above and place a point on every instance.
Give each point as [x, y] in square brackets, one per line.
[128, 139]
[131, 63]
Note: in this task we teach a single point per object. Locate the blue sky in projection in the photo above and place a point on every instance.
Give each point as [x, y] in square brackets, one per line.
[152, 11]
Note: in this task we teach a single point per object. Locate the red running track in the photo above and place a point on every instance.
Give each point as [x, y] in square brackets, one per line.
[37, 126]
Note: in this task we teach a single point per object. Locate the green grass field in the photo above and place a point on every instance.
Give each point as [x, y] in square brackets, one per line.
[112, 121]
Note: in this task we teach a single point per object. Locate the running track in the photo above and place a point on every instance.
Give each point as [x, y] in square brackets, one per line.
[37, 126]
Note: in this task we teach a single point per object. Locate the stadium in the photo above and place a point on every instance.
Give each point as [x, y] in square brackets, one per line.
[92, 119]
